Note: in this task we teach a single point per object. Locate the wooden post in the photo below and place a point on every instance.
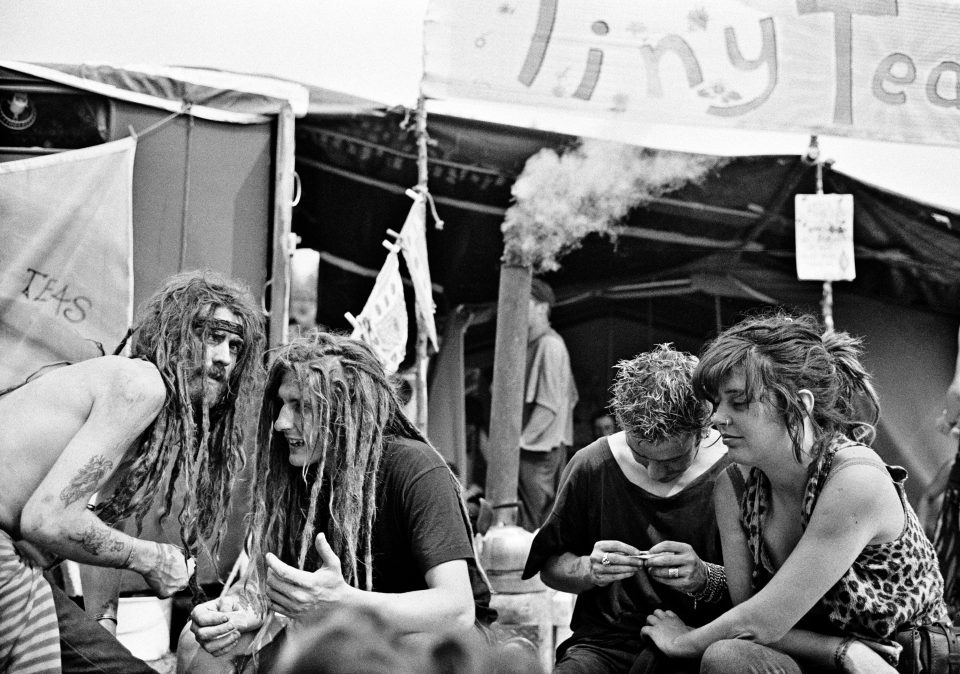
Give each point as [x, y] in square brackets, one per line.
[423, 357]
[506, 412]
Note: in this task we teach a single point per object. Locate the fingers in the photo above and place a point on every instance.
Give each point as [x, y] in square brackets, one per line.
[206, 614]
[327, 555]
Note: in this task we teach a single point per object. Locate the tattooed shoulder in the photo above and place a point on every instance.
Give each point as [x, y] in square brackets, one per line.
[87, 479]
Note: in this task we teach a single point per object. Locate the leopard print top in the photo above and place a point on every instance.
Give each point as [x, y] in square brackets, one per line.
[889, 585]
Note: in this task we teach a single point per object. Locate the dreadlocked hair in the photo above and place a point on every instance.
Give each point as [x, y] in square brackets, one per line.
[204, 445]
[653, 396]
[348, 408]
[779, 354]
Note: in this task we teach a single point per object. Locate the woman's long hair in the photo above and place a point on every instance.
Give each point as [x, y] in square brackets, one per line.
[205, 445]
[349, 408]
[780, 354]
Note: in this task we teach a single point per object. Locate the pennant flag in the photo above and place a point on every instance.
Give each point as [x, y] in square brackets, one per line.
[66, 263]
[383, 322]
[413, 242]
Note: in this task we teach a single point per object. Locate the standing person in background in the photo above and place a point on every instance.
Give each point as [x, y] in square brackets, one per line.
[648, 487]
[603, 424]
[944, 529]
[550, 395]
[117, 426]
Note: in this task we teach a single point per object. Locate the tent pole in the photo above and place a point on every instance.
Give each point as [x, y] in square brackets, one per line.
[826, 302]
[420, 389]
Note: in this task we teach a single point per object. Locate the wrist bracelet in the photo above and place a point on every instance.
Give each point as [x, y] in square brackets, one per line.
[712, 590]
[106, 617]
[841, 653]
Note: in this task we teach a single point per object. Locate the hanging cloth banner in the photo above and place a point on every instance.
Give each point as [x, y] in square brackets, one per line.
[413, 243]
[824, 236]
[383, 322]
[66, 262]
[877, 69]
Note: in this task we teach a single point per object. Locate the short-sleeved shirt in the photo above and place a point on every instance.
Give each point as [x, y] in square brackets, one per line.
[419, 524]
[549, 383]
[597, 502]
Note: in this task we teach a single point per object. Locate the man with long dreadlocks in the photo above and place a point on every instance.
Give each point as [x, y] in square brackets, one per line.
[118, 426]
[352, 507]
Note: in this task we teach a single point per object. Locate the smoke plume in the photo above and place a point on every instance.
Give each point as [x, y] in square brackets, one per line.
[559, 199]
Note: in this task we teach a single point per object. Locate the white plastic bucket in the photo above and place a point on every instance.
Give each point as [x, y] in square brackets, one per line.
[143, 626]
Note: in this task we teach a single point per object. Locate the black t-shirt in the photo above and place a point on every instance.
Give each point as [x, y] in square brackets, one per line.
[597, 502]
[419, 523]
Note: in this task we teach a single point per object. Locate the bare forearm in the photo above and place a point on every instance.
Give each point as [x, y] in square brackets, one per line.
[430, 610]
[84, 538]
[568, 573]
[540, 419]
[813, 648]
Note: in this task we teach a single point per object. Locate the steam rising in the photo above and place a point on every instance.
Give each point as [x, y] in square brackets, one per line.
[559, 199]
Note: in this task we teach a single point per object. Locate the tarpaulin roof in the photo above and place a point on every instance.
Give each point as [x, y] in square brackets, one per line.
[215, 94]
[731, 236]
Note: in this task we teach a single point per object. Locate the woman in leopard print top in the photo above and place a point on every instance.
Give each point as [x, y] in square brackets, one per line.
[825, 558]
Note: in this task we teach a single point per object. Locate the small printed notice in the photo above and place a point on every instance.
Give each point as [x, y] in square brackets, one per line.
[824, 228]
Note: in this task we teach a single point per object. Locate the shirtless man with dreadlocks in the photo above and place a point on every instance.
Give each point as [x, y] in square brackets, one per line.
[352, 508]
[116, 426]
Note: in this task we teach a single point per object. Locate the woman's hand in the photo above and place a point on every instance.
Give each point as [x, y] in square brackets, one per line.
[861, 659]
[611, 561]
[676, 565]
[293, 592]
[667, 630]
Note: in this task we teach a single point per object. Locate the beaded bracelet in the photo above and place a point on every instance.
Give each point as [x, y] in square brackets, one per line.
[841, 653]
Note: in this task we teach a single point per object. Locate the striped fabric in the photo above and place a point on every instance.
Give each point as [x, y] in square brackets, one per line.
[29, 636]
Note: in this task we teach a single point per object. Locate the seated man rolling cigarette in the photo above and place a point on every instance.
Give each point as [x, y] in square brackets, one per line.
[633, 527]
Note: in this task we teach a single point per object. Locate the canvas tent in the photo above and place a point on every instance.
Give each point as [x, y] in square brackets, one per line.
[212, 182]
[681, 267]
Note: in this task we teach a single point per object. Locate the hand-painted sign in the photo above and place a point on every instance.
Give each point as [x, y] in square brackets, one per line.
[880, 69]
[66, 258]
[824, 235]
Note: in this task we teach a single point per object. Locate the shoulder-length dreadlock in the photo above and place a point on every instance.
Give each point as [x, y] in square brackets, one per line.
[204, 444]
[349, 408]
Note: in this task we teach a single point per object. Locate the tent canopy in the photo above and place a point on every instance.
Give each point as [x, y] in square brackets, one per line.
[682, 266]
[731, 236]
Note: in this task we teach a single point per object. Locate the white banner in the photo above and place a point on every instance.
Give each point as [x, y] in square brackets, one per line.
[66, 259]
[878, 69]
[824, 236]
[383, 322]
[413, 243]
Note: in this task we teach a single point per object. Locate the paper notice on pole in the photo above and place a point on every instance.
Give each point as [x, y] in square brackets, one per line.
[824, 234]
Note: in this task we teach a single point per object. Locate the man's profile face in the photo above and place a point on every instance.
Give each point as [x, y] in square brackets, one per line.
[538, 318]
[221, 348]
[289, 423]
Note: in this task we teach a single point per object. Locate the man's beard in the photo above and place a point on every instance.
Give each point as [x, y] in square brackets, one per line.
[201, 385]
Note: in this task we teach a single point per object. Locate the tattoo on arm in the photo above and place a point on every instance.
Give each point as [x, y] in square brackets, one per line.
[85, 482]
[96, 540]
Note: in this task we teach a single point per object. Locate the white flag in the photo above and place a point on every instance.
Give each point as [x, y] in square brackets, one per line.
[383, 322]
[413, 242]
[66, 258]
